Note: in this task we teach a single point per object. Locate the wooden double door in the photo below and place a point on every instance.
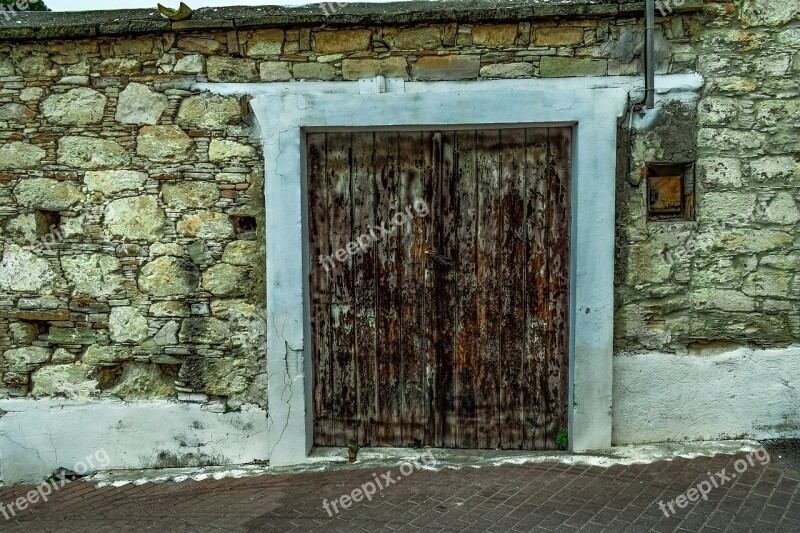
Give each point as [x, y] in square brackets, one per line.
[446, 327]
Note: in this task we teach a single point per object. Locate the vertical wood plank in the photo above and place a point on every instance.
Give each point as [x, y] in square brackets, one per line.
[466, 273]
[536, 295]
[558, 186]
[342, 320]
[411, 235]
[446, 242]
[388, 250]
[364, 286]
[511, 272]
[429, 144]
[487, 353]
[320, 249]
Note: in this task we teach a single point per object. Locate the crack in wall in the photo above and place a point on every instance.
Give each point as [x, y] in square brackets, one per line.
[34, 450]
[288, 382]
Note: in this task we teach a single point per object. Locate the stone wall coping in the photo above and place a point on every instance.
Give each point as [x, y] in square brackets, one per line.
[74, 25]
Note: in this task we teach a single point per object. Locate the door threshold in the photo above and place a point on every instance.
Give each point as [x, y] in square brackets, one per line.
[459, 458]
[432, 458]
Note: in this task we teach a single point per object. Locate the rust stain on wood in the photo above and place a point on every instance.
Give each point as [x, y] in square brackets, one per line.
[467, 352]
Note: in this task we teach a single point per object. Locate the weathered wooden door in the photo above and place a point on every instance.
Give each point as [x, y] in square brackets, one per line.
[447, 326]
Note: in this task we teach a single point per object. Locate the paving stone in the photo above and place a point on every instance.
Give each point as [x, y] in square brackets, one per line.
[523, 498]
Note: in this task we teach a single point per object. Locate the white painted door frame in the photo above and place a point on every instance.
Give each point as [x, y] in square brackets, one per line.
[286, 111]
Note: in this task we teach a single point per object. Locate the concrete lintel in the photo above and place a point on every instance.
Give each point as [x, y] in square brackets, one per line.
[669, 83]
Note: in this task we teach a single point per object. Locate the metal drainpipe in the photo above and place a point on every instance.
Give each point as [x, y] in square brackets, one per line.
[650, 54]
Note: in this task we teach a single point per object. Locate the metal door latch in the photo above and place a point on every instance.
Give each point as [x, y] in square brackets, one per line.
[439, 258]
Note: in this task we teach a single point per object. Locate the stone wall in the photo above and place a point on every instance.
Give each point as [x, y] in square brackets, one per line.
[149, 194]
[732, 278]
[130, 214]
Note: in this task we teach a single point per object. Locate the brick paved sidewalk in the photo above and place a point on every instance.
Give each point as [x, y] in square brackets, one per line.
[528, 497]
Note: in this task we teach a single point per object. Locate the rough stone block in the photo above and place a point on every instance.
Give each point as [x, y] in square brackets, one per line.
[22, 271]
[48, 194]
[340, 41]
[425, 38]
[76, 107]
[444, 68]
[110, 182]
[23, 332]
[243, 253]
[720, 172]
[558, 36]
[314, 71]
[263, 43]
[495, 35]
[127, 324]
[356, 69]
[191, 64]
[81, 335]
[782, 209]
[775, 169]
[91, 153]
[167, 335]
[94, 275]
[141, 381]
[201, 45]
[209, 111]
[137, 218]
[206, 225]
[169, 309]
[169, 276]
[20, 155]
[16, 113]
[138, 104]
[226, 280]
[23, 359]
[275, 71]
[730, 208]
[223, 150]
[190, 194]
[768, 282]
[106, 355]
[119, 66]
[71, 381]
[232, 70]
[207, 330]
[508, 70]
[164, 143]
[563, 67]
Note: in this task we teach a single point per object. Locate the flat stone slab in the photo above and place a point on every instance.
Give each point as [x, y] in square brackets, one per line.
[58, 25]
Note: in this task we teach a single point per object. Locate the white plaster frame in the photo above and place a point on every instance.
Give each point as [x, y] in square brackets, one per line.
[286, 111]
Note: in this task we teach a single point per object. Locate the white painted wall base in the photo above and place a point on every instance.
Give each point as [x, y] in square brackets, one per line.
[39, 436]
[746, 393]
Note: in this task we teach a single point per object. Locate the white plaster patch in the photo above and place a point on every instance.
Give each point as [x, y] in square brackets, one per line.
[38, 436]
[746, 393]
